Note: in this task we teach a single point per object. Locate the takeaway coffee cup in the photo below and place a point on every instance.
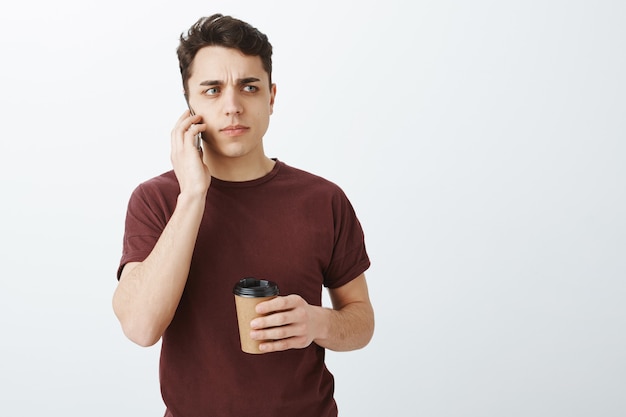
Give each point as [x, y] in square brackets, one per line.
[248, 293]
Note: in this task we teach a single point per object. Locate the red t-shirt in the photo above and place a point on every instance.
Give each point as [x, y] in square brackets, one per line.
[290, 227]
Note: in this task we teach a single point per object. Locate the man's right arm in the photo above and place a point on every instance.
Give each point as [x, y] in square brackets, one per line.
[148, 292]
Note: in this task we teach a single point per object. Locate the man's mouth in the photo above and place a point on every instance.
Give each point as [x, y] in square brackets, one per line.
[234, 130]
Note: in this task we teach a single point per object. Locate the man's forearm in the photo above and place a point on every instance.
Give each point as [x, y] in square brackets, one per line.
[289, 322]
[149, 292]
[348, 328]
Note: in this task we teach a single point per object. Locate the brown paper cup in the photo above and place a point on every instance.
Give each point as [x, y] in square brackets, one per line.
[245, 314]
[248, 293]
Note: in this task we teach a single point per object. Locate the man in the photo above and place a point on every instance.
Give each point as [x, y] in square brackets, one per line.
[226, 212]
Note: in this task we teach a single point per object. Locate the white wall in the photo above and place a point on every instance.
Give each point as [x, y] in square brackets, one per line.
[482, 144]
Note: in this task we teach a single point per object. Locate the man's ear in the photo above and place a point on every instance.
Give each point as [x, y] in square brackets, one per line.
[272, 97]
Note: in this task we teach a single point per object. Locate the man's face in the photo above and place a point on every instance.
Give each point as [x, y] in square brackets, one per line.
[231, 92]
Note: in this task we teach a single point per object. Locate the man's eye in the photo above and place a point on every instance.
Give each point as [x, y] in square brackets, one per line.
[250, 89]
[212, 91]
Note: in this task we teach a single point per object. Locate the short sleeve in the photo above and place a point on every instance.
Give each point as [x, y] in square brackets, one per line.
[349, 258]
[147, 215]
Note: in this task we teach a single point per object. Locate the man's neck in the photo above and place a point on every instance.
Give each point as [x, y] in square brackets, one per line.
[244, 168]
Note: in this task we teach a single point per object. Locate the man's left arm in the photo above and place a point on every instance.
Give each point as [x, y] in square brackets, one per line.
[291, 323]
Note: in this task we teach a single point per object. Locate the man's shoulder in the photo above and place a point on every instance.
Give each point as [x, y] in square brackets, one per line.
[163, 184]
[305, 178]
[165, 179]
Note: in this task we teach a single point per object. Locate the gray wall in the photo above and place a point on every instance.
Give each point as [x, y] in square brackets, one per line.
[482, 144]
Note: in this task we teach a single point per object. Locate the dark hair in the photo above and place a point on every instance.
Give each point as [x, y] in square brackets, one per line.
[226, 31]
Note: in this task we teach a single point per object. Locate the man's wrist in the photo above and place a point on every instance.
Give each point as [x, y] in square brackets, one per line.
[323, 322]
[191, 202]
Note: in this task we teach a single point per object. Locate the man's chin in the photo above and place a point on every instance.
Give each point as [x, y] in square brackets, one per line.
[231, 151]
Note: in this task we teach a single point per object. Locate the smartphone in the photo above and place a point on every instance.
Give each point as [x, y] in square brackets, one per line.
[198, 141]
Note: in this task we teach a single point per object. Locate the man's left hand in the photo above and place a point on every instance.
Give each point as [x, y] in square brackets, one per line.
[288, 322]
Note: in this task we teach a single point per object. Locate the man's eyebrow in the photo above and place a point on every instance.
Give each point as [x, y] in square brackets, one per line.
[240, 81]
[211, 82]
[248, 80]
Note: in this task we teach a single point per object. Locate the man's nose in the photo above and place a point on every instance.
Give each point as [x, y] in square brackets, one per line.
[232, 102]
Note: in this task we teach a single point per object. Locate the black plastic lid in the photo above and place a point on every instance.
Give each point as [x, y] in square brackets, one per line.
[252, 287]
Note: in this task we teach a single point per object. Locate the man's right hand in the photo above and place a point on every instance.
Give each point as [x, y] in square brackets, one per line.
[192, 173]
[148, 292]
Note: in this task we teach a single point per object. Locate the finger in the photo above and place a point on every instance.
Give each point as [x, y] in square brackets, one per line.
[177, 133]
[180, 125]
[273, 320]
[279, 333]
[276, 304]
[185, 134]
[194, 129]
[193, 135]
[184, 122]
[275, 333]
[187, 117]
[284, 344]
